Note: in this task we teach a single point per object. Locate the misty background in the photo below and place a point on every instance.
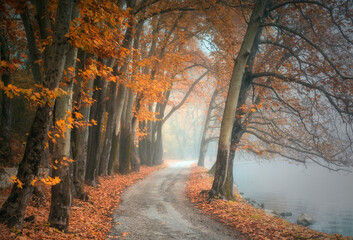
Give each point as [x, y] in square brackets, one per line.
[279, 184]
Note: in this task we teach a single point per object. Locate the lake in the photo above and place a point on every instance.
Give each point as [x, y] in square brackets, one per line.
[327, 196]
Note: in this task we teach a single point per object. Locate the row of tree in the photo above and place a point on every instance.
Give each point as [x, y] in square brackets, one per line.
[104, 73]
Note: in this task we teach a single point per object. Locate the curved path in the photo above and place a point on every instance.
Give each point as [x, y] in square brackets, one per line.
[156, 208]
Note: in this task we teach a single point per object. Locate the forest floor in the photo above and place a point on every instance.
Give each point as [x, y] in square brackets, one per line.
[157, 208]
[88, 219]
[251, 222]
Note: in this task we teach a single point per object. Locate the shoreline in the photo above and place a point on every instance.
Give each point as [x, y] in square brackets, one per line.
[252, 222]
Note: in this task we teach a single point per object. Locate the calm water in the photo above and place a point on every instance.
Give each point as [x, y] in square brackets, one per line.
[325, 195]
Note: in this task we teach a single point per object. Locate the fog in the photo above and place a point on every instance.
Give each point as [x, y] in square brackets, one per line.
[282, 185]
[182, 134]
[327, 196]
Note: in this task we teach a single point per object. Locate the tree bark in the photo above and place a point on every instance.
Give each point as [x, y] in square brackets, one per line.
[113, 165]
[145, 145]
[5, 127]
[79, 136]
[103, 166]
[204, 142]
[221, 185]
[13, 210]
[34, 54]
[158, 143]
[113, 157]
[95, 134]
[110, 149]
[125, 154]
[61, 193]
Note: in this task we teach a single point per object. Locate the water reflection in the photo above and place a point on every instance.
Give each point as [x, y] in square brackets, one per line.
[325, 195]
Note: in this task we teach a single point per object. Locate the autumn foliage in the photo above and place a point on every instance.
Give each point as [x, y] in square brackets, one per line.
[88, 220]
[253, 223]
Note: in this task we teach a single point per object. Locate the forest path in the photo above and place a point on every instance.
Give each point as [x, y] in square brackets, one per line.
[156, 208]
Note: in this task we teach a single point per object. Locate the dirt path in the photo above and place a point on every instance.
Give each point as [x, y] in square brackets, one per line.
[156, 208]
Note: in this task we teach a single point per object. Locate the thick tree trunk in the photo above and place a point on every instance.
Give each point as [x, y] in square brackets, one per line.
[61, 199]
[221, 184]
[61, 193]
[5, 127]
[135, 161]
[145, 145]
[79, 136]
[110, 151]
[142, 145]
[113, 165]
[95, 134]
[95, 139]
[125, 154]
[113, 157]
[158, 146]
[103, 166]
[124, 150]
[204, 142]
[149, 143]
[13, 210]
[112, 109]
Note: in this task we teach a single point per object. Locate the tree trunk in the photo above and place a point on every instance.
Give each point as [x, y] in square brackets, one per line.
[135, 159]
[79, 135]
[13, 210]
[5, 127]
[125, 141]
[158, 143]
[149, 143]
[204, 142]
[221, 184]
[61, 193]
[113, 164]
[110, 151]
[113, 157]
[145, 145]
[95, 138]
[113, 111]
[158, 146]
[141, 149]
[103, 166]
[213, 169]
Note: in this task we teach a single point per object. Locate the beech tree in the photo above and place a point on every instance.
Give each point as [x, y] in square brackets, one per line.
[12, 212]
[222, 163]
[300, 77]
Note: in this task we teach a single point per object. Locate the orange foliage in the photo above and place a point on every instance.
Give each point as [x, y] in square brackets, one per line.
[253, 223]
[88, 220]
